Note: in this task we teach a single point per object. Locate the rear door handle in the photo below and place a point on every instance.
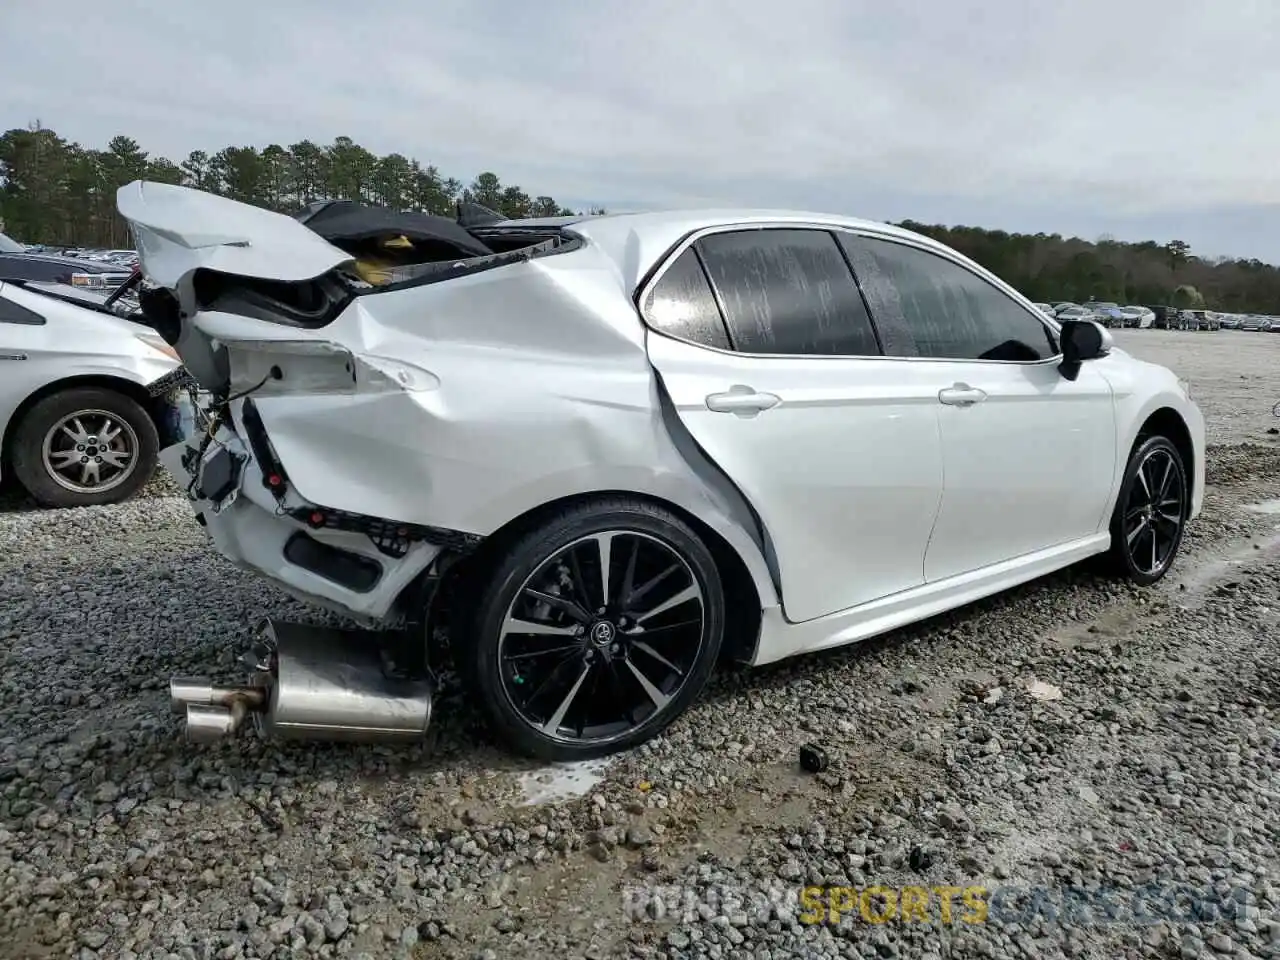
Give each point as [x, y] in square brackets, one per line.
[961, 395]
[742, 400]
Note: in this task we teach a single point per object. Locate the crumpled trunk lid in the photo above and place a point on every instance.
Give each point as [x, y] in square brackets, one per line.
[180, 232]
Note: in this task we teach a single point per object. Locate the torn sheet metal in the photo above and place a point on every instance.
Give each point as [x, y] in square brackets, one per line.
[461, 404]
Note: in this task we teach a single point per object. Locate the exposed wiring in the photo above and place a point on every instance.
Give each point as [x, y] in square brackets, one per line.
[272, 374]
[218, 411]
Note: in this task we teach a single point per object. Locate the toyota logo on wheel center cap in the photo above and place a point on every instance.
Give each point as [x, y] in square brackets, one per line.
[602, 633]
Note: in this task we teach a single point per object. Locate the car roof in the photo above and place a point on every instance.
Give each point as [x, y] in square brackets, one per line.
[637, 242]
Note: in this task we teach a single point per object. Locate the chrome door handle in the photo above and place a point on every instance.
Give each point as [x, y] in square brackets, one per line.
[742, 400]
[961, 395]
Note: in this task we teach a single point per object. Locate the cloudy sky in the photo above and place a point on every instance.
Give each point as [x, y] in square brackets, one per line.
[1143, 119]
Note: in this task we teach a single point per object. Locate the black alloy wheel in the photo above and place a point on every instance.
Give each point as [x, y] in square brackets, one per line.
[1151, 513]
[597, 629]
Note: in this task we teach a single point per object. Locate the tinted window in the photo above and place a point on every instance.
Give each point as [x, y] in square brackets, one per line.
[11, 312]
[945, 310]
[681, 304]
[788, 292]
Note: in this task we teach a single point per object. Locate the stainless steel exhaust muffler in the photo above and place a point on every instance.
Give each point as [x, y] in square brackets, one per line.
[311, 682]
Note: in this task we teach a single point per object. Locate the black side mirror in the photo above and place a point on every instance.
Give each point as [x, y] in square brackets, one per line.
[1082, 340]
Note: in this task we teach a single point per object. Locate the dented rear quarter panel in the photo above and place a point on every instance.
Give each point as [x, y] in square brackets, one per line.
[532, 385]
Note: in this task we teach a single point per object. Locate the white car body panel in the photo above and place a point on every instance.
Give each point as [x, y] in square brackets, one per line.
[1030, 466]
[72, 342]
[858, 503]
[817, 497]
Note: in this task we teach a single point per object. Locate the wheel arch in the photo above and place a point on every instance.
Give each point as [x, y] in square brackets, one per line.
[129, 388]
[743, 606]
[1167, 422]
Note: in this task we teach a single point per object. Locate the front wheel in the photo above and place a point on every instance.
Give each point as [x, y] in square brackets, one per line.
[85, 446]
[594, 630]
[1151, 511]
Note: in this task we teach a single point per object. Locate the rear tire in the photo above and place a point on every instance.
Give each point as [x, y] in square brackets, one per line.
[49, 457]
[569, 665]
[1151, 511]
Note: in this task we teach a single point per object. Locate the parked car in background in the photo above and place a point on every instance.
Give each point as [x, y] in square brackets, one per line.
[1073, 311]
[1230, 321]
[1045, 308]
[1137, 317]
[1254, 322]
[1106, 313]
[1208, 319]
[82, 412]
[692, 484]
[1190, 319]
[1166, 317]
[17, 263]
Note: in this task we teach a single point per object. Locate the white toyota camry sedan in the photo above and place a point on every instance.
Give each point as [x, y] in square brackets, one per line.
[606, 452]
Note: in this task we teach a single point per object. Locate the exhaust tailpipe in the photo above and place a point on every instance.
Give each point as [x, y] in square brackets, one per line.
[311, 683]
[207, 724]
[213, 712]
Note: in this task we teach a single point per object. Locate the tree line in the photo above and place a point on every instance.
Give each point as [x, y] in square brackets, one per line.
[57, 192]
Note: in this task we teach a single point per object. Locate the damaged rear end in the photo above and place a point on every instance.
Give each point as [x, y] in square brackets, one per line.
[333, 462]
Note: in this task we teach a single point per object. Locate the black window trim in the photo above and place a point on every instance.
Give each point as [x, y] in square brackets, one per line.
[687, 241]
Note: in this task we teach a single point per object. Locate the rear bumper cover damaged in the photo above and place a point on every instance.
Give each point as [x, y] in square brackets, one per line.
[354, 564]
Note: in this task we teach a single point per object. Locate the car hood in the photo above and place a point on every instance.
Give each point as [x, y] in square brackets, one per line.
[179, 230]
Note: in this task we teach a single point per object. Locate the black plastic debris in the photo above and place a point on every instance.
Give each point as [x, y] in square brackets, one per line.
[813, 759]
[921, 859]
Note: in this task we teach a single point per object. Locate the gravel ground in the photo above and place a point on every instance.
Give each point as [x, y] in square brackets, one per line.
[1074, 735]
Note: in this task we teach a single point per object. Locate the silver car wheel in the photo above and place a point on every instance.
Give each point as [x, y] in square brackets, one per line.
[602, 637]
[90, 451]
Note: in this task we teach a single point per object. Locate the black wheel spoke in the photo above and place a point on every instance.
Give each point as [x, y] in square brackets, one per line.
[690, 592]
[678, 625]
[579, 582]
[547, 681]
[651, 691]
[1166, 479]
[562, 604]
[629, 578]
[644, 647]
[585, 655]
[631, 599]
[618, 693]
[547, 652]
[553, 724]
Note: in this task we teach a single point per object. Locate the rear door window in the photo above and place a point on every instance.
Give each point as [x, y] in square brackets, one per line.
[941, 309]
[788, 292]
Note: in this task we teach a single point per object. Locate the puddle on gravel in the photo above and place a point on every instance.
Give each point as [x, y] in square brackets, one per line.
[562, 781]
[1204, 574]
[1270, 507]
